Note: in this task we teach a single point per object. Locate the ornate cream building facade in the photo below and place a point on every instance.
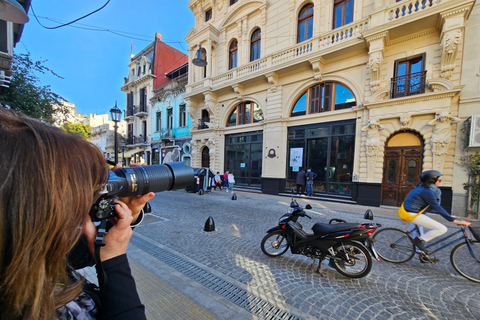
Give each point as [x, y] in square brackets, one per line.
[368, 93]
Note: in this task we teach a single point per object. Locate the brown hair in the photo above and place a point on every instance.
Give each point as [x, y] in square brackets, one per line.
[48, 180]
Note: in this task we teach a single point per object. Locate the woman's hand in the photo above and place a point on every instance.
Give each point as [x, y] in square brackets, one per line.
[117, 238]
[136, 203]
[461, 222]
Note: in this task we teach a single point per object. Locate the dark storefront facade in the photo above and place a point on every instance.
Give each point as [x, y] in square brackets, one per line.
[243, 157]
[328, 149]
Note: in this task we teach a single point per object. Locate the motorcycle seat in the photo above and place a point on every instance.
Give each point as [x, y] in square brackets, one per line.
[325, 228]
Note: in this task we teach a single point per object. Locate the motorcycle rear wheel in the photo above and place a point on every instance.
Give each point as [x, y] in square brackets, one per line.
[274, 244]
[355, 261]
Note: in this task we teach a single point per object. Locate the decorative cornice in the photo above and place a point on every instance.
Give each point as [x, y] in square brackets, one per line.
[413, 99]
[412, 36]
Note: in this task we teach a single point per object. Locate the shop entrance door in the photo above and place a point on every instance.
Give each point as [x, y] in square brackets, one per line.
[402, 167]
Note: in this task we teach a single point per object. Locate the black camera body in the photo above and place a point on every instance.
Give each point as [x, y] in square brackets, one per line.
[131, 181]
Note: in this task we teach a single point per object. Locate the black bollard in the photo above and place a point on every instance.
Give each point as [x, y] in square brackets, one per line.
[147, 208]
[234, 196]
[209, 225]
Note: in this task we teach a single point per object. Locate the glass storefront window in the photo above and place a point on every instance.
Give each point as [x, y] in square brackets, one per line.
[328, 150]
[318, 132]
[243, 156]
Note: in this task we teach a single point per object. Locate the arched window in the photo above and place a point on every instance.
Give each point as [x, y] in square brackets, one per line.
[255, 45]
[342, 13]
[305, 23]
[327, 96]
[232, 54]
[245, 113]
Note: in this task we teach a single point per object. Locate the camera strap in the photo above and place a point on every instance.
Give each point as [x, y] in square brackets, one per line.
[102, 229]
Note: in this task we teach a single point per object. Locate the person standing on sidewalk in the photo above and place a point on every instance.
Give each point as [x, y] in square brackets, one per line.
[231, 181]
[309, 176]
[300, 181]
[225, 179]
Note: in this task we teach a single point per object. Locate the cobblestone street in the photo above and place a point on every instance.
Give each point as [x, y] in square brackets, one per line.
[232, 255]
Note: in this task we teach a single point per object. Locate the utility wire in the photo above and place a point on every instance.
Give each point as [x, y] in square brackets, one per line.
[69, 23]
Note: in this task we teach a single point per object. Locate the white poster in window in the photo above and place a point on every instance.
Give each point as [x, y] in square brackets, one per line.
[296, 157]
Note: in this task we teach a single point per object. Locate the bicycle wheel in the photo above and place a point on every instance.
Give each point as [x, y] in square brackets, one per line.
[464, 262]
[274, 244]
[354, 260]
[393, 245]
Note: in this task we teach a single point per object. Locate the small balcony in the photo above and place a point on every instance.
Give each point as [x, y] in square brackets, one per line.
[408, 85]
[129, 113]
[137, 141]
[140, 111]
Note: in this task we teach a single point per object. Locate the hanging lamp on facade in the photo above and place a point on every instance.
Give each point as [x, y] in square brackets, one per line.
[199, 61]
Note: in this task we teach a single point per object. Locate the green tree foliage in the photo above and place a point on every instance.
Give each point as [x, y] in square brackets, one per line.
[26, 94]
[77, 128]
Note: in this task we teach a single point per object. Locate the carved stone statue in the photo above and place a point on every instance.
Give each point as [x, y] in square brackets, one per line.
[442, 132]
[373, 129]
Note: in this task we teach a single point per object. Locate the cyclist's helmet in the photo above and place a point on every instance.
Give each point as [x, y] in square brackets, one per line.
[430, 176]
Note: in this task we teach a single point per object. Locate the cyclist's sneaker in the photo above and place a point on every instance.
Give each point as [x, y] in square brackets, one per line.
[419, 244]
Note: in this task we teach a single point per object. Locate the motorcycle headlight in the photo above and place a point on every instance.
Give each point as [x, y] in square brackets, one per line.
[290, 210]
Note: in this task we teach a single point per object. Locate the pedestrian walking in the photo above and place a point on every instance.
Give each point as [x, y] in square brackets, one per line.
[231, 181]
[300, 181]
[225, 179]
[309, 176]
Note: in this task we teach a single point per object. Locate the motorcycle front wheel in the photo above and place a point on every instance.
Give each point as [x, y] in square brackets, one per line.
[352, 260]
[274, 244]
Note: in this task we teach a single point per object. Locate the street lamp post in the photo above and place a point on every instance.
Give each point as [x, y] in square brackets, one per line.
[123, 144]
[116, 113]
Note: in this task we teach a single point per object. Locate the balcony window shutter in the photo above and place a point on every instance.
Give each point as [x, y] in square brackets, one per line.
[327, 100]
[315, 99]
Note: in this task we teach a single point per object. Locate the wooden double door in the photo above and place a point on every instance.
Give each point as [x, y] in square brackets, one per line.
[401, 171]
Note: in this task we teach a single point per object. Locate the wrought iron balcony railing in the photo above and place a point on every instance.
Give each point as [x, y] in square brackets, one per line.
[202, 123]
[408, 85]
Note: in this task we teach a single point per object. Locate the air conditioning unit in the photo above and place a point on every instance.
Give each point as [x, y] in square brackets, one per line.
[475, 131]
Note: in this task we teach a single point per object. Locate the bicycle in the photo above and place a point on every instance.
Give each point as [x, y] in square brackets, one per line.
[396, 246]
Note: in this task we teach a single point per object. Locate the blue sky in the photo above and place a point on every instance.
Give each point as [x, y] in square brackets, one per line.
[94, 63]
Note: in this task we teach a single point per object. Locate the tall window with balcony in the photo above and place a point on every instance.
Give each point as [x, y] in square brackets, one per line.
[245, 113]
[144, 132]
[129, 104]
[305, 23]
[182, 119]
[327, 96]
[255, 45]
[409, 77]
[130, 134]
[143, 100]
[342, 13]
[158, 122]
[170, 119]
[233, 53]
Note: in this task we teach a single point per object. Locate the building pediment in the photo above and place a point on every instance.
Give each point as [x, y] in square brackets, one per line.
[242, 10]
[208, 32]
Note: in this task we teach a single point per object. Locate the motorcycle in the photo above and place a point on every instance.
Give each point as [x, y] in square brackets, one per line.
[344, 244]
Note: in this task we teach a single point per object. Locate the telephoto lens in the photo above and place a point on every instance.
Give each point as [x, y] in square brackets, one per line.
[130, 181]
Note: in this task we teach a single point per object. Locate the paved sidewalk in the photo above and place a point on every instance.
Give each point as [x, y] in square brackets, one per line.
[185, 273]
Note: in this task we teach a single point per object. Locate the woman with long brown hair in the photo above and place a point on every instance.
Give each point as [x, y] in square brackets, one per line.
[48, 182]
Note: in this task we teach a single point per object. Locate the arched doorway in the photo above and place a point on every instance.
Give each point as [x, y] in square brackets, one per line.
[206, 158]
[401, 167]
